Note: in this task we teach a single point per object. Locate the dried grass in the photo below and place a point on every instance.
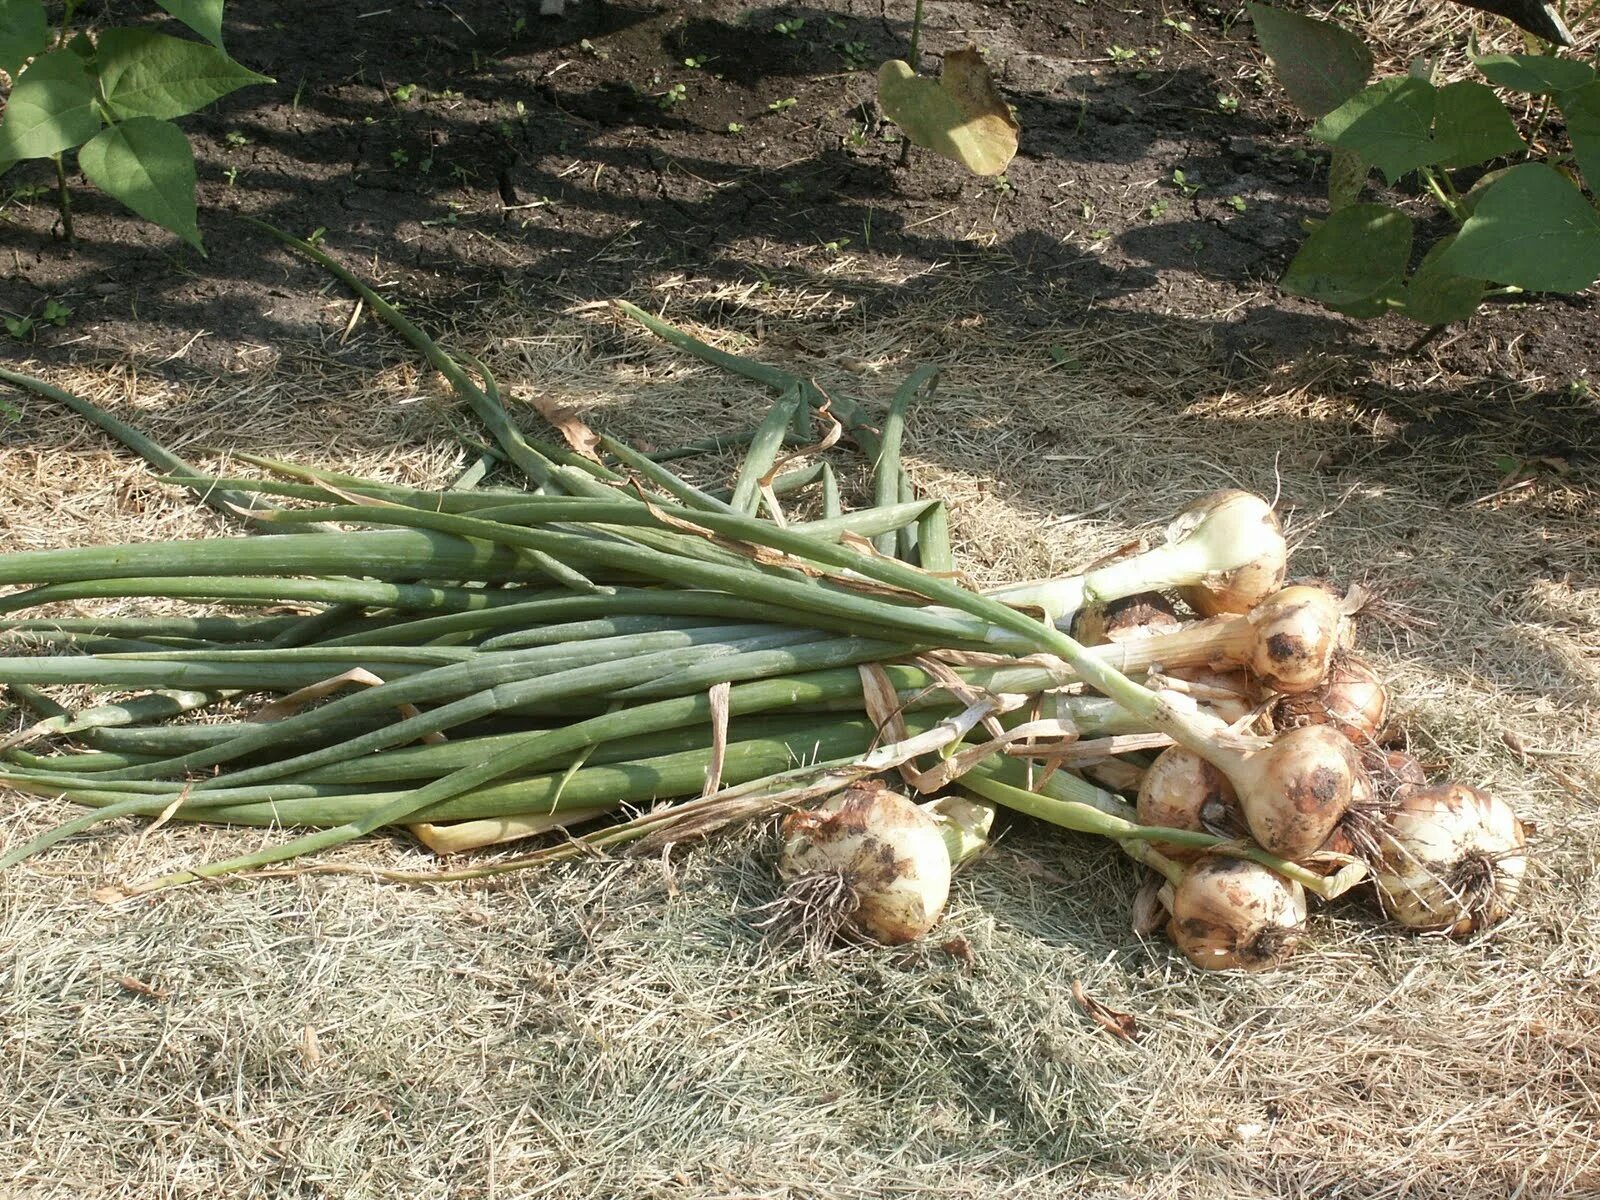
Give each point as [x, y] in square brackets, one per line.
[619, 1029]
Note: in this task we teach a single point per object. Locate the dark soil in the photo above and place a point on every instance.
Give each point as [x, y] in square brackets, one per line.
[476, 147]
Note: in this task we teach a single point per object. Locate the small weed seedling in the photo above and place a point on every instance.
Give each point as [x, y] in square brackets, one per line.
[790, 27]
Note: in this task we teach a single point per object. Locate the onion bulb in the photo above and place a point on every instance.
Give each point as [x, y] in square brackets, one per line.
[1298, 632]
[1134, 616]
[1181, 790]
[1295, 791]
[1451, 859]
[1352, 699]
[1240, 528]
[875, 858]
[1230, 913]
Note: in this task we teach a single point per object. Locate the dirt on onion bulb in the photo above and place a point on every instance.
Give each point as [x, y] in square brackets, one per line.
[1181, 790]
[1451, 859]
[1352, 699]
[1295, 791]
[870, 859]
[1228, 913]
[1136, 616]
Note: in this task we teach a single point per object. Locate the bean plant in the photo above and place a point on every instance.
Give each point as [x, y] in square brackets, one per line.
[1518, 214]
[111, 96]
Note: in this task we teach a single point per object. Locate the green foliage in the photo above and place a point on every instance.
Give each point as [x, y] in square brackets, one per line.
[1523, 226]
[113, 98]
[1320, 64]
[1533, 230]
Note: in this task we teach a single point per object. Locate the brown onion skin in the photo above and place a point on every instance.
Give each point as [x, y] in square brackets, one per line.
[1241, 589]
[1230, 914]
[1139, 615]
[1181, 790]
[1298, 790]
[1352, 699]
[1298, 632]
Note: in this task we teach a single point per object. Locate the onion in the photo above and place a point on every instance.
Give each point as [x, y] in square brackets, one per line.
[1296, 790]
[1287, 643]
[872, 856]
[1225, 550]
[1352, 699]
[1451, 859]
[1225, 523]
[1298, 632]
[1231, 913]
[1134, 616]
[1181, 790]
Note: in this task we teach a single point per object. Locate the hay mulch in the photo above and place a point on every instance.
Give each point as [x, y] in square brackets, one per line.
[624, 1028]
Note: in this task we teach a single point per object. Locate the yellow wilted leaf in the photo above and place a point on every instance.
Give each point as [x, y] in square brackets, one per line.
[959, 116]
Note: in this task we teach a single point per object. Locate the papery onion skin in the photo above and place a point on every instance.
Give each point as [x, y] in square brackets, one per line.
[1236, 518]
[1134, 616]
[1299, 630]
[1181, 790]
[1298, 789]
[1452, 859]
[1231, 914]
[889, 854]
[1352, 699]
[1229, 695]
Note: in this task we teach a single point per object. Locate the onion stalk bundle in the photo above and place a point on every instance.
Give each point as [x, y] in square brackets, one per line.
[510, 663]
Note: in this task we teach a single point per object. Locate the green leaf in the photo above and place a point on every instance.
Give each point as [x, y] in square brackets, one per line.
[1581, 108]
[961, 116]
[1320, 64]
[1538, 73]
[1387, 124]
[202, 16]
[148, 165]
[1347, 175]
[1436, 296]
[146, 74]
[1355, 261]
[51, 108]
[23, 33]
[1472, 126]
[1531, 229]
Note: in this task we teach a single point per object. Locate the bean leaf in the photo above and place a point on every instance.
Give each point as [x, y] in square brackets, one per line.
[960, 116]
[23, 33]
[202, 16]
[148, 165]
[51, 108]
[1436, 296]
[146, 74]
[1537, 73]
[1320, 64]
[1355, 261]
[1387, 124]
[1472, 126]
[1347, 176]
[1581, 108]
[1531, 229]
